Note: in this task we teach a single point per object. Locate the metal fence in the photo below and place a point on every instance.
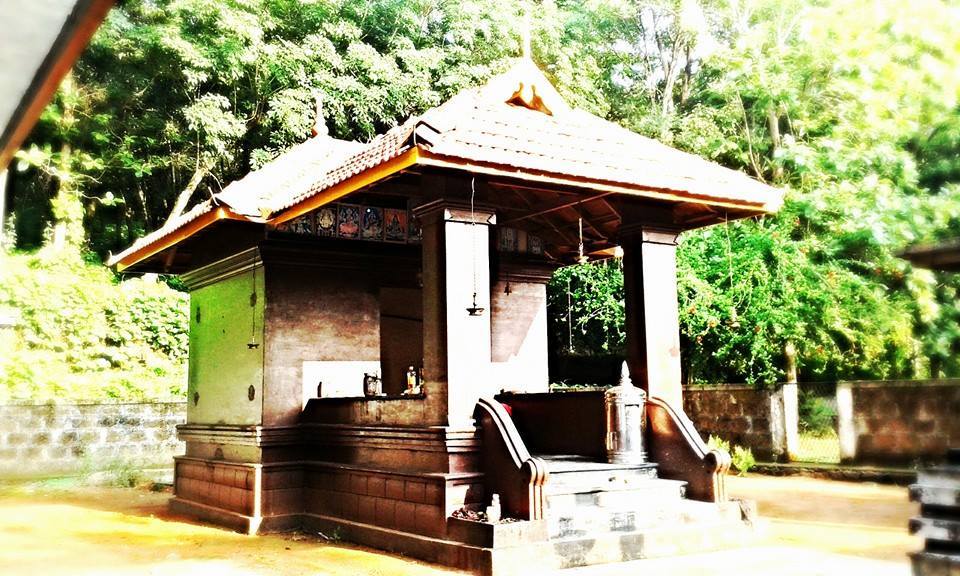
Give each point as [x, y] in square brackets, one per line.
[819, 441]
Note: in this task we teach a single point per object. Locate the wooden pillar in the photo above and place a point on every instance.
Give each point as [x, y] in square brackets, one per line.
[652, 314]
[456, 345]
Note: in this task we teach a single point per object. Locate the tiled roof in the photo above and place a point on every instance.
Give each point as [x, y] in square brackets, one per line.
[582, 146]
[290, 175]
[164, 231]
[536, 134]
[365, 156]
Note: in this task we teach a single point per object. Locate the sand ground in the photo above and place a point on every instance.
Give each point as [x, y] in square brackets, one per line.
[810, 527]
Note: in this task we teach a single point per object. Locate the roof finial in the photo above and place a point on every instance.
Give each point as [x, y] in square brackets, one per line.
[319, 125]
[525, 32]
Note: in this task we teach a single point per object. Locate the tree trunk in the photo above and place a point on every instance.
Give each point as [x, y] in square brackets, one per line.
[67, 205]
[3, 209]
[773, 125]
[184, 197]
[790, 351]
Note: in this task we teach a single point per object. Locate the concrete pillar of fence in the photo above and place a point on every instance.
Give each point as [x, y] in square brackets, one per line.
[778, 434]
[791, 420]
[846, 429]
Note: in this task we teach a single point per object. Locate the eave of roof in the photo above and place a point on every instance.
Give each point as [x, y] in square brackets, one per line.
[944, 256]
[40, 43]
[188, 224]
[481, 131]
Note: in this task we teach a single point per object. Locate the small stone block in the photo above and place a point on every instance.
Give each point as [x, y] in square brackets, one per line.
[376, 486]
[349, 506]
[394, 489]
[358, 484]
[368, 509]
[386, 512]
[341, 481]
[406, 514]
[429, 519]
[433, 494]
[414, 491]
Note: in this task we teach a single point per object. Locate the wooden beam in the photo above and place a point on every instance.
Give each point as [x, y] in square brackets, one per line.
[543, 219]
[672, 196]
[168, 261]
[544, 210]
[532, 188]
[613, 209]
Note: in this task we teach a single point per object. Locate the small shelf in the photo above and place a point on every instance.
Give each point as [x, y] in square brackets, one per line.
[350, 399]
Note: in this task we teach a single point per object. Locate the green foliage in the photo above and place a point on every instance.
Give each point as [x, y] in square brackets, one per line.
[83, 335]
[718, 443]
[587, 308]
[849, 105]
[741, 458]
[817, 415]
[853, 110]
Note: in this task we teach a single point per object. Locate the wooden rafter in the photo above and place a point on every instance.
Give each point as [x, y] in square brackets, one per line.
[544, 210]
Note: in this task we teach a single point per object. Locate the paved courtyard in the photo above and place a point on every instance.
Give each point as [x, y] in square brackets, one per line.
[811, 527]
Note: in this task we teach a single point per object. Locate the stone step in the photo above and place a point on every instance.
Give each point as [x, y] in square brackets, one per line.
[943, 529]
[661, 541]
[595, 520]
[935, 494]
[569, 477]
[947, 475]
[636, 495]
[935, 563]
[953, 456]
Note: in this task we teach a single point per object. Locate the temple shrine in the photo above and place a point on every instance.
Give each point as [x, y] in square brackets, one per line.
[368, 339]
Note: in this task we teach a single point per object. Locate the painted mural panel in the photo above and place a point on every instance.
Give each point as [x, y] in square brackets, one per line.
[327, 221]
[372, 224]
[395, 225]
[348, 221]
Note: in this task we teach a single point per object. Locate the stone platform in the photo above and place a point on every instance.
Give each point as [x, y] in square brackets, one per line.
[599, 513]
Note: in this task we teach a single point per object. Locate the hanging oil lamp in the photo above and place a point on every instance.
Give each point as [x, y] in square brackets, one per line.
[581, 257]
[474, 310]
[253, 344]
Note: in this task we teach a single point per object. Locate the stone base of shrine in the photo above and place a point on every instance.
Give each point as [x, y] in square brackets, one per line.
[410, 514]
[512, 549]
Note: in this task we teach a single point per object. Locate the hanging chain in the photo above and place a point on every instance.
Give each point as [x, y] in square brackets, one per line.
[253, 309]
[581, 258]
[474, 310]
[473, 234]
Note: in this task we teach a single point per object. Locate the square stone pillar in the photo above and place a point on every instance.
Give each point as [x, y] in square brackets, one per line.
[652, 311]
[456, 344]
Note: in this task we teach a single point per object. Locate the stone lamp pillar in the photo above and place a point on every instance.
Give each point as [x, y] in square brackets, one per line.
[626, 420]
